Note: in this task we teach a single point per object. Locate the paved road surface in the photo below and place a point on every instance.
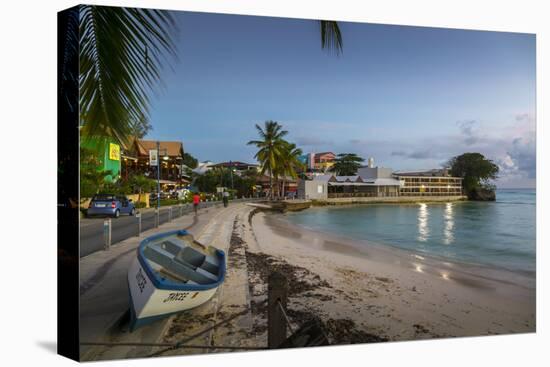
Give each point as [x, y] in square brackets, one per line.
[91, 229]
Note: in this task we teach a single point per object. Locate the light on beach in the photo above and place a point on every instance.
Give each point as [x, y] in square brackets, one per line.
[418, 268]
[445, 275]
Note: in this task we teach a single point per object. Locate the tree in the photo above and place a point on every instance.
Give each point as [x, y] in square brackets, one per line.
[190, 161]
[122, 51]
[289, 163]
[476, 171]
[271, 148]
[347, 164]
[92, 180]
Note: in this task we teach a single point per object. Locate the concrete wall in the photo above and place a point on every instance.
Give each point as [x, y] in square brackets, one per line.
[309, 190]
[395, 199]
[374, 172]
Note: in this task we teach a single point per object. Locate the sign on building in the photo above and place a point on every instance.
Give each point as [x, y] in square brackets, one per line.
[114, 152]
[153, 157]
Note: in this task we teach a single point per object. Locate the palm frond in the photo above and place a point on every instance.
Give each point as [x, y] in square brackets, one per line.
[122, 53]
[331, 37]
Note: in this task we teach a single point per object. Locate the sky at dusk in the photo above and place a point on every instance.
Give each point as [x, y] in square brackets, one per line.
[410, 97]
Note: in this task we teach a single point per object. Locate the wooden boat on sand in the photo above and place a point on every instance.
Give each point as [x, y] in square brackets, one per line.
[172, 273]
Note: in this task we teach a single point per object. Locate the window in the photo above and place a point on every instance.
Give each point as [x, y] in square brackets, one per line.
[319, 189]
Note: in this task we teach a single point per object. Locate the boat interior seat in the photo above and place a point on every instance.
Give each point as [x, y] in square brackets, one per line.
[168, 261]
[189, 255]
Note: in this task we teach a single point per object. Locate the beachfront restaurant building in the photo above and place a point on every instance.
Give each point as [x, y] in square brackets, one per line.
[380, 182]
[434, 182]
[322, 187]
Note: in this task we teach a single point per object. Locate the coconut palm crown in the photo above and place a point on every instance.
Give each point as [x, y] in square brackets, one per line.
[271, 148]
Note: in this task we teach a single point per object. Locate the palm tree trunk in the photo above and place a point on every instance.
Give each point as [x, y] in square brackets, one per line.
[270, 185]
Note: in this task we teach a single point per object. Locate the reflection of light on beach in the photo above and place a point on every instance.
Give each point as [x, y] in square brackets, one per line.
[445, 275]
[419, 257]
[418, 268]
[423, 231]
[448, 233]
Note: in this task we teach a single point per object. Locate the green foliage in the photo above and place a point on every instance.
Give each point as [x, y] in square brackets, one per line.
[121, 54]
[190, 161]
[331, 37]
[271, 148]
[243, 183]
[92, 180]
[476, 171]
[140, 205]
[347, 164]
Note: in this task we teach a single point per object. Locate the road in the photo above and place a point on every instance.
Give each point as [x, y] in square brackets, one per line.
[91, 229]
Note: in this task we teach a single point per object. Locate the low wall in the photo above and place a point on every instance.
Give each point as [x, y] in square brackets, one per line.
[390, 199]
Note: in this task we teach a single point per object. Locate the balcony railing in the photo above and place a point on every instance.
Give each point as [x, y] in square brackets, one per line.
[335, 195]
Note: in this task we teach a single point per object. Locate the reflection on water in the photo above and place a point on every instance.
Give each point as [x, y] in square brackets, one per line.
[448, 230]
[423, 230]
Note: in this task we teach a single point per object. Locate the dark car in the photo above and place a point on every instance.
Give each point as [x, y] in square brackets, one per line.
[110, 205]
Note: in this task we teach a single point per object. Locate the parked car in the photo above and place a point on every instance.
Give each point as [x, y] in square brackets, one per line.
[110, 205]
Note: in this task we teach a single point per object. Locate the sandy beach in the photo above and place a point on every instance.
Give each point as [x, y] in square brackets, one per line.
[383, 293]
[359, 292]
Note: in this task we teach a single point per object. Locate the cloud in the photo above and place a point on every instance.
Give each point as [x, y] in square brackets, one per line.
[398, 153]
[469, 131]
[311, 141]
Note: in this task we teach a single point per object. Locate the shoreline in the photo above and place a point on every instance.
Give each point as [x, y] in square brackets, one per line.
[400, 295]
[360, 246]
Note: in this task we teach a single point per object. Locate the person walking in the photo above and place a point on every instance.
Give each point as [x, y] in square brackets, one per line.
[225, 198]
[196, 201]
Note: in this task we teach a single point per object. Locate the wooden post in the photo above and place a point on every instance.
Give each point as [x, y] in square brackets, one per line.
[276, 324]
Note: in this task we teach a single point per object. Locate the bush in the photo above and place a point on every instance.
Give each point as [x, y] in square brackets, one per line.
[140, 205]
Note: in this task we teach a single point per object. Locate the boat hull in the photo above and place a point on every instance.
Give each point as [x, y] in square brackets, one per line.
[149, 303]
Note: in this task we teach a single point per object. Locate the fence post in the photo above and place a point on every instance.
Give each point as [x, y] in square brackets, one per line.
[157, 219]
[169, 214]
[181, 210]
[138, 216]
[107, 234]
[276, 324]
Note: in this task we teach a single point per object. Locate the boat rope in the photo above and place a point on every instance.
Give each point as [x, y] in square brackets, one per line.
[189, 346]
[285, 316]
[181, 343]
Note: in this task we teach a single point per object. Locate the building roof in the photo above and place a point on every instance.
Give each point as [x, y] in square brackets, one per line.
[323, 153]
[355, 178]
[377, 182]
[235, 164]
[172, 148]
[423, 173]
[324, 178]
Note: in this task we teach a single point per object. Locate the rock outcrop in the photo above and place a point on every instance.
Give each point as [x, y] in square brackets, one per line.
[482, 194]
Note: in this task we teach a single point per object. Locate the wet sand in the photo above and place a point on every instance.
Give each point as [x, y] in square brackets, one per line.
[391, 294]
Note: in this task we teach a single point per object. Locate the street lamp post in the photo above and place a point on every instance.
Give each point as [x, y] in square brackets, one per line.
[158, 175]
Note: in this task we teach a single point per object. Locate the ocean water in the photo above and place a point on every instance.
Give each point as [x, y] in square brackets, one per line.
[500, 234]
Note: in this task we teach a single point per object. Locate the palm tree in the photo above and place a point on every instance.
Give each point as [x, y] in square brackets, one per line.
[271, 148]
[122, 51]
[290, 162]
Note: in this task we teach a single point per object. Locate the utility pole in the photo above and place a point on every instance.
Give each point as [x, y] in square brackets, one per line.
[231, 172]
[158, 175]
